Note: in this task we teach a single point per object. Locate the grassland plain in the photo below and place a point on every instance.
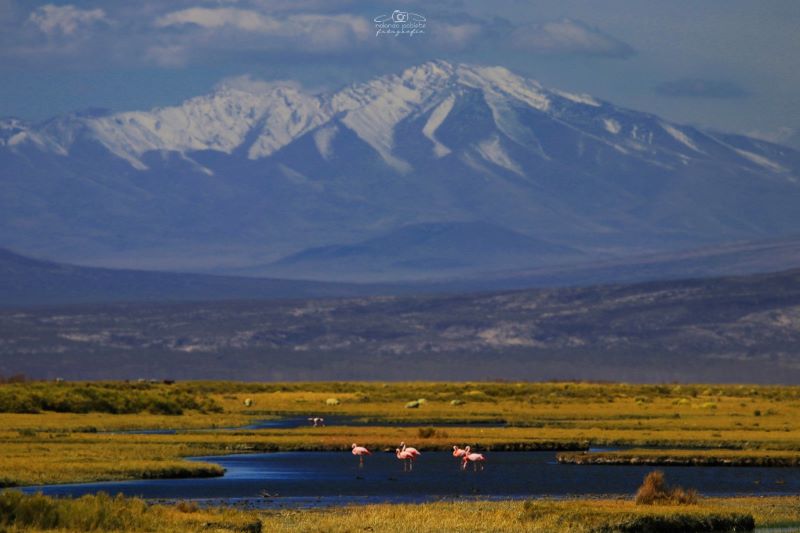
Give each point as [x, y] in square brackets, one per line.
[68, 432]
[65, 432]
[104, 513]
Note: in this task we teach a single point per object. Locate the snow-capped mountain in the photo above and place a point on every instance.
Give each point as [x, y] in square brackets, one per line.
[257, 180]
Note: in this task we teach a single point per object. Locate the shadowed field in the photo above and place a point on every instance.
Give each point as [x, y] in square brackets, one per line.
[744, 329]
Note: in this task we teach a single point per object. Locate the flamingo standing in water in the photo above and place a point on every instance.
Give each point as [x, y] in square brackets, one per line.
[360, 451]
[406, 457]
[473, 458]
[458, 453]
[413, 451]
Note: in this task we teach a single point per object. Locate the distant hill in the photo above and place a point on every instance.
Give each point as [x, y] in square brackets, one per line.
[736, 329]
[733, 259]
[25, 282]
[404, 253]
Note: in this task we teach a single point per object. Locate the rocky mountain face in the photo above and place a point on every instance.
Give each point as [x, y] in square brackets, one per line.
[439, 171]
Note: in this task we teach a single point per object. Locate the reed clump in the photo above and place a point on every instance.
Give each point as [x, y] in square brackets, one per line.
[98, 512]
[654, 490]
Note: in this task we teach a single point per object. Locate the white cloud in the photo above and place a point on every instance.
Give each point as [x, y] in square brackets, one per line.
[168, 55]
[568, 36]
[455, 35]
[253, 21]
[304, 32]
[242, 19]
[782, 135]
[65, 20]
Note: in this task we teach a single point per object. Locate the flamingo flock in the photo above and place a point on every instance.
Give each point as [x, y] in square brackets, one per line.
[408, 455]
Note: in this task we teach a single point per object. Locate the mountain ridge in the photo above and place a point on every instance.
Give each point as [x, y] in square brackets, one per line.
[238, 179]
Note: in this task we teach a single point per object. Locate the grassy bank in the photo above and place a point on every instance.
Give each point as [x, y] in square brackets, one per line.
[683, 458]
[104, 513]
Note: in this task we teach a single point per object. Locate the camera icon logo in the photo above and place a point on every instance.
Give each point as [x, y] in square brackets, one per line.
[399, 16]
[398, 23]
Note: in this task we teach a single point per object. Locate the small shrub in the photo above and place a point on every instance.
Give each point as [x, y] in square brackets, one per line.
[757, 412]
[654, 490]
[530, 511]
[187, 507]
[426, 433]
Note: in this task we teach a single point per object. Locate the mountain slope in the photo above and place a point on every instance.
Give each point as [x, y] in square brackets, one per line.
[30, 282]
[744, 329]
[26, 282]
[238, 180]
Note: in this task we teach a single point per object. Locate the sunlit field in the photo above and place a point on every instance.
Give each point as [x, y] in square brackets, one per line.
[74, 432]
[79, 443]
[103, 513]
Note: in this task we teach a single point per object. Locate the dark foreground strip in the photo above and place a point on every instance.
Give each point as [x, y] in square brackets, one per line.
[680, 523]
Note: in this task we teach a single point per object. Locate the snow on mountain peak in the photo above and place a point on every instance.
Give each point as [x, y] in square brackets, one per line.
[501, 82]
[259, 118]
[219, 121]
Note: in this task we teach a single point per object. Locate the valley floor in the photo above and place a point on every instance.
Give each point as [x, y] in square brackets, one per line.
[78, 432]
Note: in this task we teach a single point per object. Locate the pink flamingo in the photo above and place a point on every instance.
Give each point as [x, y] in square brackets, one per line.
[413, 451]
[458, 453]
[360, 451]
[406, 457]
[473, 458]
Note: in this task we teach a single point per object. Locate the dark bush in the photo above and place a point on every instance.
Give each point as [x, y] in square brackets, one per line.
[187, 507]
[680, 523]
[426, 433]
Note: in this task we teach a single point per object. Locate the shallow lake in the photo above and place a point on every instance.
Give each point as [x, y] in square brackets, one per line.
[293, 422]
[322, 478]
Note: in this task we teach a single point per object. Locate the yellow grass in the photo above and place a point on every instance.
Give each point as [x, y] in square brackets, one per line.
[51, 447]
[579, 515]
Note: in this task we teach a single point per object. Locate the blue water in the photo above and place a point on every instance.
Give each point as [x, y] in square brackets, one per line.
[324, 478]
[293, 422]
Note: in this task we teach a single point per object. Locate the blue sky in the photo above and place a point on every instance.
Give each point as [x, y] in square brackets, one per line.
[732, 65]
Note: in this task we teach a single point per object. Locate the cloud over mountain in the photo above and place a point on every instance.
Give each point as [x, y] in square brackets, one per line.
[65, 20]
[701, 88]
[567, 36]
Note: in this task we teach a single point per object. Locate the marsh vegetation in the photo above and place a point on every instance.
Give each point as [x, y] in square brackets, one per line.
[62, 432]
